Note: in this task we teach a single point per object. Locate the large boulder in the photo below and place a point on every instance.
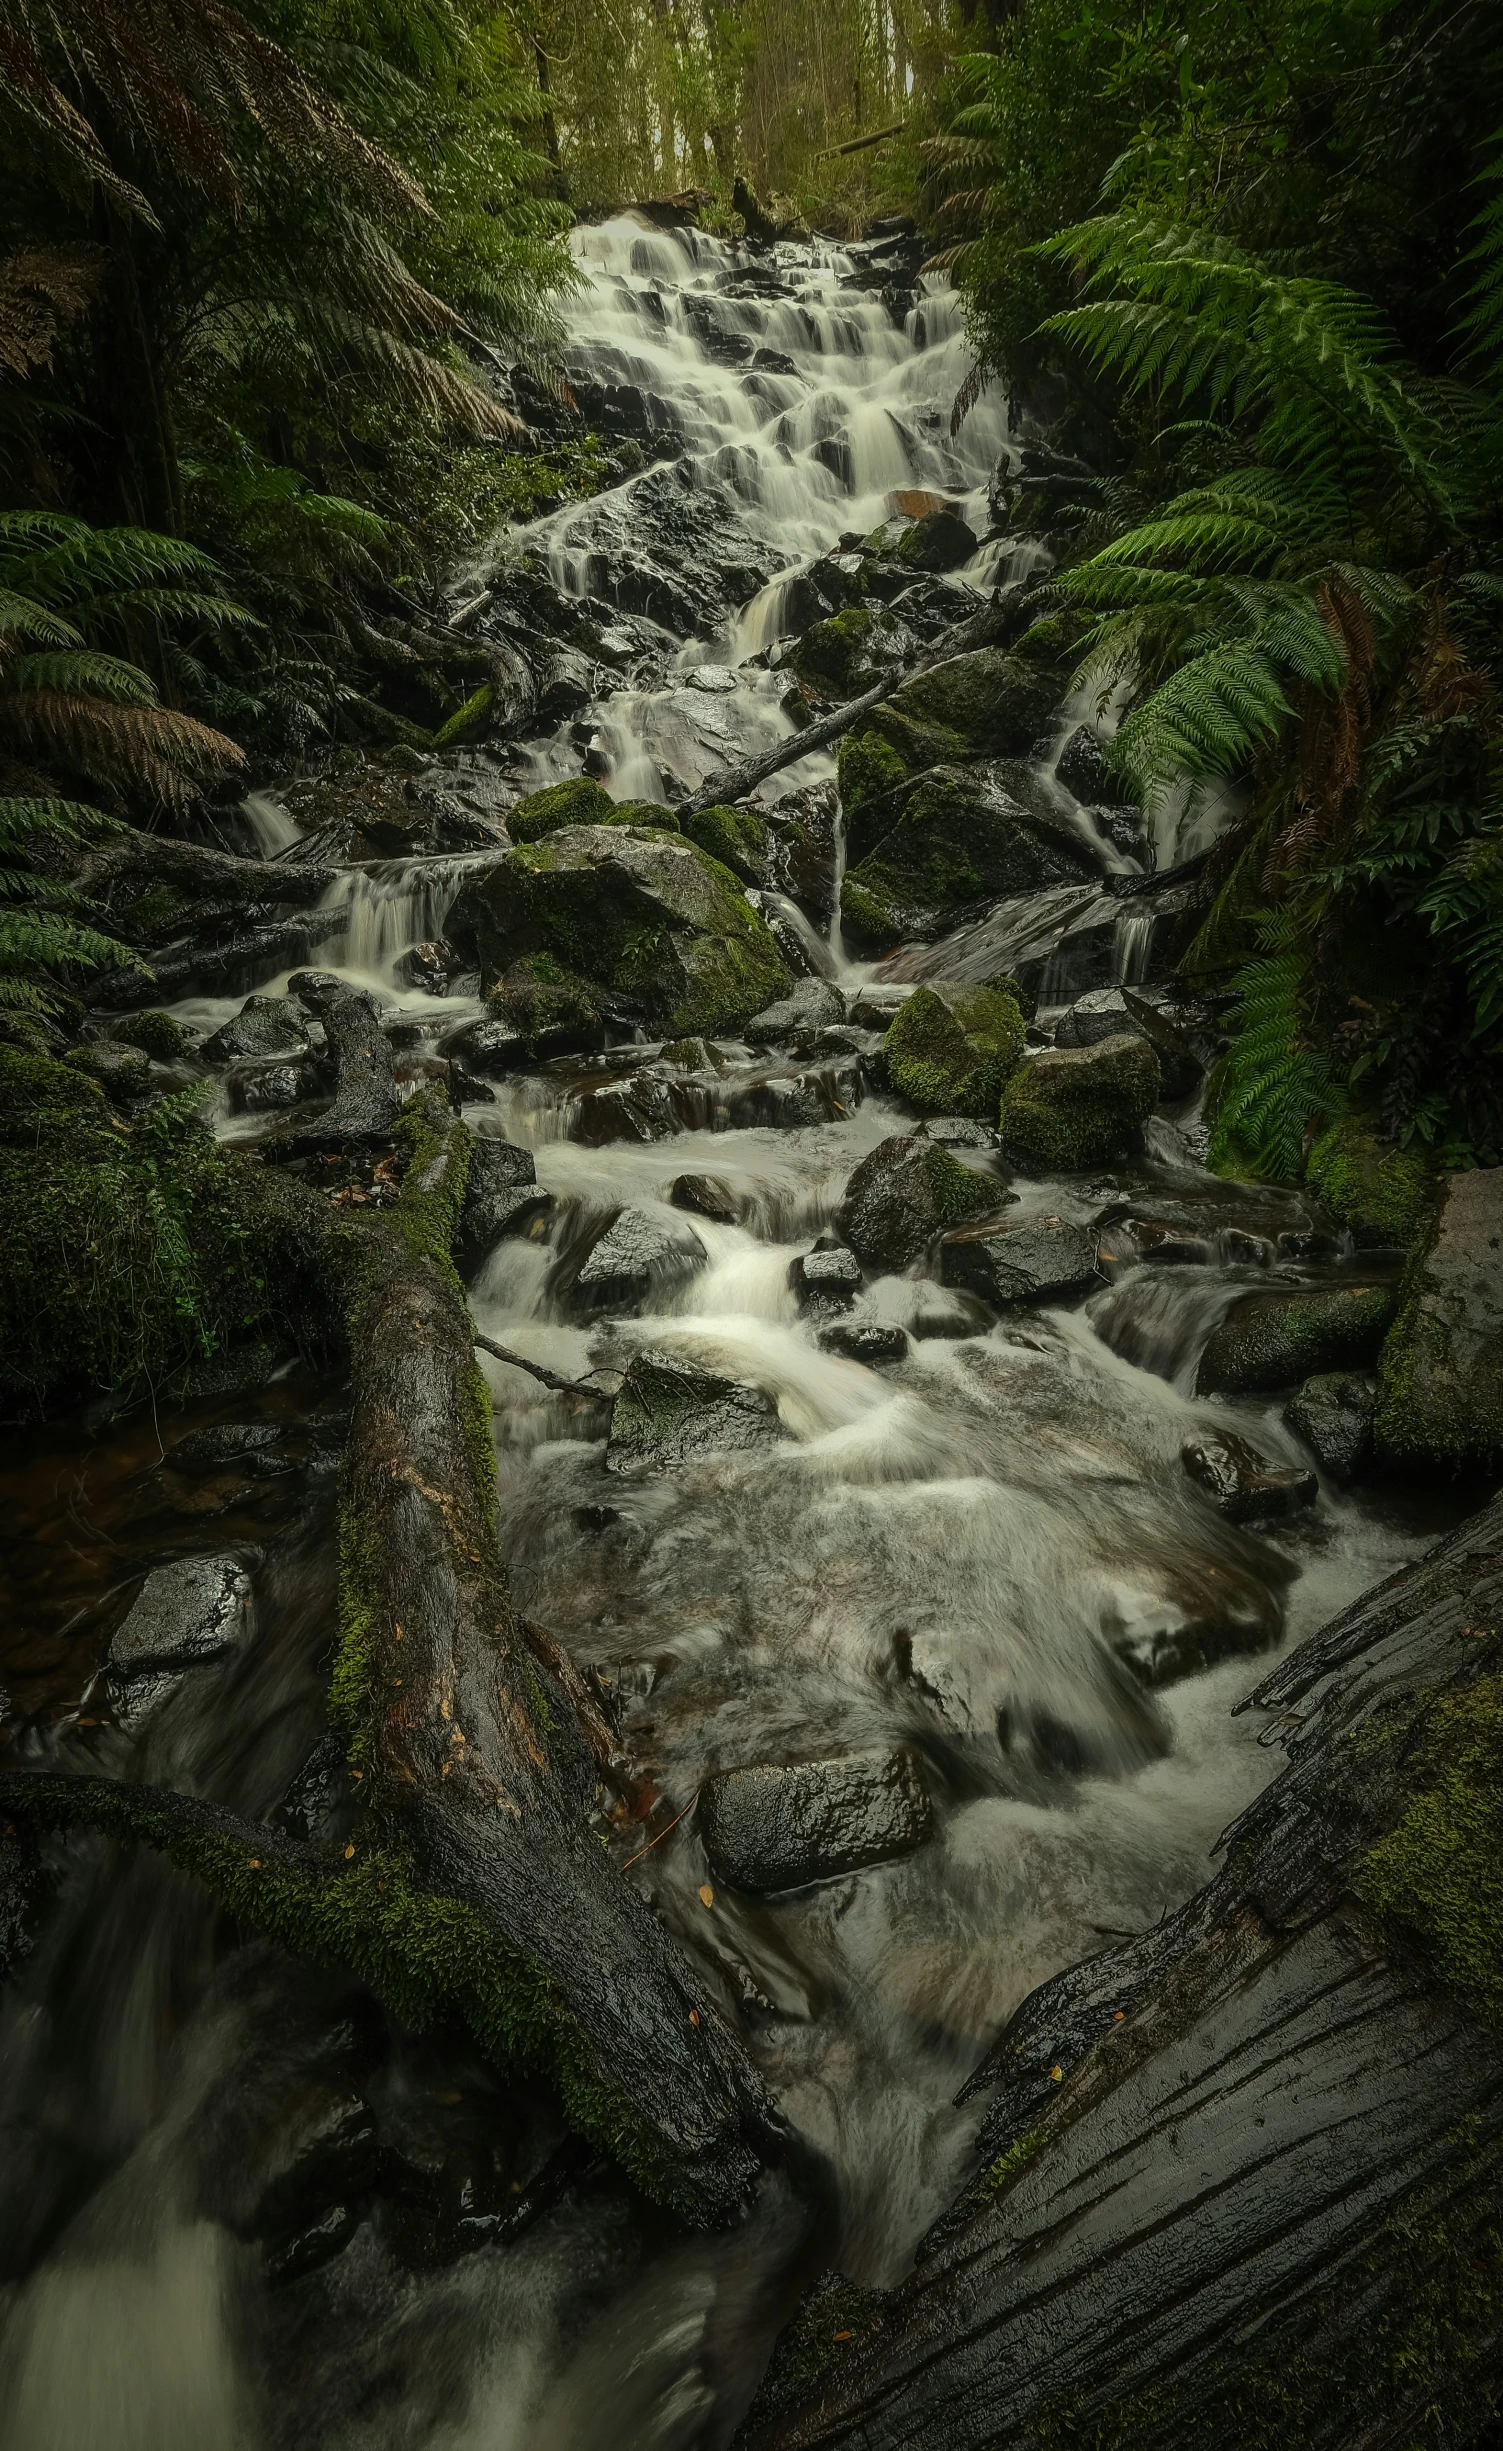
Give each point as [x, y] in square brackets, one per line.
[843, 656]
[1071, 1108]
[986, 704]
[812, 1005]
[952, 1050]
[962, 835]
[779, 1827]
[1108, 1012]
[1035, 1259]
[671, 1411]
[578, 802]
[502, 1197]
[637, 1255]
[1271, 1340]
[551, 1010]
[1384, 1195]
[940, 540]
[1440, 1379]
[660, 931]
[264, 1025]
[903, 1194]
[1333, 1414]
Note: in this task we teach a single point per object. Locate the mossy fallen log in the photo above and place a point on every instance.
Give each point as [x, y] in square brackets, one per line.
[473, 1881]
[1242, 2177]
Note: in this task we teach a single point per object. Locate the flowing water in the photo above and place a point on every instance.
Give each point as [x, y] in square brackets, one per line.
[974, 1553]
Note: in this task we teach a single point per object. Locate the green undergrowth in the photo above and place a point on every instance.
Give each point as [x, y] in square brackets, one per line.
[1437, 1877]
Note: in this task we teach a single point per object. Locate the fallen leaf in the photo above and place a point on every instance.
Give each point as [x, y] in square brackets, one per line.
[706, 1895]
[1117, 2015]
[255, 1863]
[349, 1851]
[842, 2335]
[1056, 2072]
[694, 2016]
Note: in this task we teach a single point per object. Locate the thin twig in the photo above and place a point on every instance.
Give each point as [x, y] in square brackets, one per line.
[662, 1834]
[549, 1378]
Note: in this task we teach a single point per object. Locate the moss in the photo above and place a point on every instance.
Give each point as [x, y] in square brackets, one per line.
[952, 841]
[834, 654]
[1074, 1109]
[1272, 1340]
[469, 720]
[987, 702]
[953, 1054]
[1437, 1877]
[916, 741]
[869, 920]
[1008, 2165]
[540, 998]
[1383, 1194]
[576, 803]
[149, 917]
[655, 814]
[736, 837]
[867, 765]
[957, 1191]
[156, 1033]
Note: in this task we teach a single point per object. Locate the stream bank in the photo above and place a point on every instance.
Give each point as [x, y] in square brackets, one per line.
[908, 1514]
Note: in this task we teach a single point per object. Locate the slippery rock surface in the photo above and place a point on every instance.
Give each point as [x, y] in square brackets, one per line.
[776, 1828]
[186, 1616]
[961, 835]
[637, 1255]
[903, 1194]
[1109, 1011]
[264, 1025]
[826, 1281]
[670, 1410]
[1068, 1109]
[652, 924]
[1440, 1381]
[501, 1196]
[1333, 1414]
[812, 1005]
[367, 1099]
[1039, 1259]
[953, 1050]
[1268, 1340]
[1246, 1486]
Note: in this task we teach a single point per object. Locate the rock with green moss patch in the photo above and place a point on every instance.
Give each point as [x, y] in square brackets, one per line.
[952, 1050]
[737, 837]
[658, 931]
[961, 836]
[552, 1010]
[655, 813]
[867, 765]
[843, 656]
[1383, 1194]
[1440, 1378]
[987, 703]
[1072, 1108]
[1270, 1340]
[578, 802]
[938, 542]
[157, 1034]
[903, 1194]
[1333, 1414]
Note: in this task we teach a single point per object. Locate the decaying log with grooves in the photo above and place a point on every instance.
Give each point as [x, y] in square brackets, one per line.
[475, 1879]
[1242, 2178]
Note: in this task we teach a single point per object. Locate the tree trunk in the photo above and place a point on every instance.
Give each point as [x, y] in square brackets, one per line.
[1243, 2177]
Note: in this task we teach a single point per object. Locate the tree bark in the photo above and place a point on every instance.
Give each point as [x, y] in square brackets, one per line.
[1243, 2176]
[477, 1880]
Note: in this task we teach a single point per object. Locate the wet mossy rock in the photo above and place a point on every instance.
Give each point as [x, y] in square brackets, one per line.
[1440, 1376]
[552, 1010]
[1385, 1195]
[737, 837]
[1071, 1108]
[952, 1050]
[842, 656]
[985, 704]
[866, 765]
[903, 1194]
[1275, 1339]
[960, 836]
[659, 931]
[576, 803]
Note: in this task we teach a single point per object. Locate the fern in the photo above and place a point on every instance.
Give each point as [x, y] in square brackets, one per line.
[1273, 1084]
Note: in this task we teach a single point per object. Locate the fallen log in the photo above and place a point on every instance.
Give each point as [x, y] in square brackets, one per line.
[1242, 2177]
[475, 1881]
[732, 783]
[190, 877]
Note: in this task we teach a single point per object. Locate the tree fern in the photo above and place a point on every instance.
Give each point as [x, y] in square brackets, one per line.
[1273, 1083]
[43, 929]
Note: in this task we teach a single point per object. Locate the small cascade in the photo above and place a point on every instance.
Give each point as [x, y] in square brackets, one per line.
[391, 907]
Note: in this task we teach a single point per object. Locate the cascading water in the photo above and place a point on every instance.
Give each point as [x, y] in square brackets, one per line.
[986, 1554]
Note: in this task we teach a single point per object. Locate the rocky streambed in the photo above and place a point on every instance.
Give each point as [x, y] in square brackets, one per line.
[907, 1456]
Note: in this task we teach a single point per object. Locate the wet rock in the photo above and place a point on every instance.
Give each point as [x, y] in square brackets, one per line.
[432, 967]
[502, 1197]
[1440, 1381]
[1382, 1194]
[825, 1281]
[672, 1411]
[121, 1070]
[21, 1888]
[258, 1447]
[704, 1195]
[1074, 1108]
[1081, 765]
[949, 1314]
[1269, 1340]
[843, 656]
[738, 838]
[636, 1256]
[272, 1089]
[952, 1050]
[313, 1795]
[957, 1132]
[316, 2153]
[186, 1616]
[802, 828]
[1038, 1259]
[666, 938]
[865, 1340]
[812, 1005]
[318, 2244]
[367, 1100]
[960, 836]
[576, 803]
[941, 540]
[264, 1025]
[1246, 1486]
[1333, 1414]
[551, 1010]
[788, 1101]
[316, 990]
[493, 1045]
[782, 1827]
[904, 1193]
[985, 704]
[1109, 1011]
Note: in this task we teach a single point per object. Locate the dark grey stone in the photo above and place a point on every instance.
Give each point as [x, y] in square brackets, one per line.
[256, 1446]
[957, 1132]
[1245, 1485]
[1333, 1414]
[781, 1827]
[501, 1197]
[635, 1256]
[316, 990]
[1109, 1011]
[825, 1280]
[271, 1089]
[671, 1410]
[901, 1195]
[1039, 1259]
[194, 1610]
[367, 1099]
[705, 1196]
[264, 1025]
[1269, 1340]
[812, 1005]
[1081, 766]
[488, 1046]
[865, 1340]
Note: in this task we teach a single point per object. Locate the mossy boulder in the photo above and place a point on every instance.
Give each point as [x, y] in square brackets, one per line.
[952, 1050]
[1440, 1376]
[960, 837]
[903, 1194]
[1273, 1339]
[639, 813]
[1385, 1195]
[1071, 1108]
[653, 928]
[737, 837]
[576, 803]
[938, 542]
[157, 1034]
[552, 1010]
[865, 766]
[843, 656]
[986, 704]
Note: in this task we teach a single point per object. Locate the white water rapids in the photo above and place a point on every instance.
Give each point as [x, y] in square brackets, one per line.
[958, 1555]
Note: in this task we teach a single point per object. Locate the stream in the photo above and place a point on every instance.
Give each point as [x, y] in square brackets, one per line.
[982, 1552]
